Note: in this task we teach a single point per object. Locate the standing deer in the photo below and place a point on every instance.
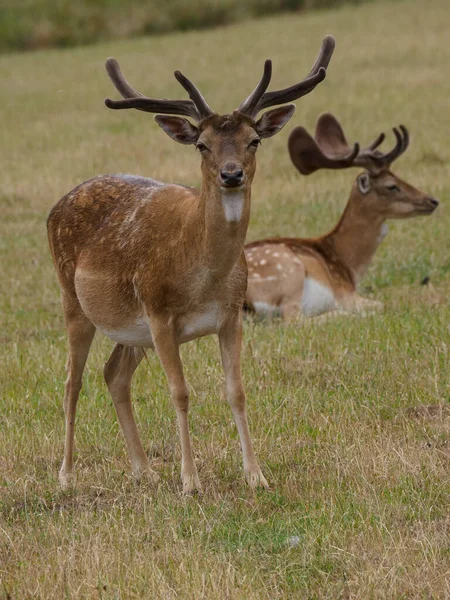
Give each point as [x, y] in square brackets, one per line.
[154, 265]
[308, 277]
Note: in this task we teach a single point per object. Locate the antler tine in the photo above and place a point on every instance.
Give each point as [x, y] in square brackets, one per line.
[377, 142]
[134, 99]
[194, 94]
[405, 137]
[249, 105]
[325, 54]
[314, 77]
[164, 107]
[387, 159]
[119, 81]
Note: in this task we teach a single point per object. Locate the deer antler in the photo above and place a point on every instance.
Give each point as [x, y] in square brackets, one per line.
[249, 106]
[260, 99]
[196, 107]
[329, 148]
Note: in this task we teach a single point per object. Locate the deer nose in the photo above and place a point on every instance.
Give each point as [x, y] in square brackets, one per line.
[434, 203]
[232, 177]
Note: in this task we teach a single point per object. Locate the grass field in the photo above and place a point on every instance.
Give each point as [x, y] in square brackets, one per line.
[350, 417]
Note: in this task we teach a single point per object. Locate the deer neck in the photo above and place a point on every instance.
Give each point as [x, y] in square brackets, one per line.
[356, 238]
[226, 214]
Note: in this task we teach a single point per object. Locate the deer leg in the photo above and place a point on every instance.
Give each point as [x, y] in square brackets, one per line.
[230, 340]
[80, 332]
[292, 292]
[367, 306]
[167, 348]
[118, 372]
[291, 310]
[357, 304]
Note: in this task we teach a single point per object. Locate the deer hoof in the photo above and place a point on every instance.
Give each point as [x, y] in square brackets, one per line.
[67, 479]
[146, 474]
[256, 479]
[191, 483]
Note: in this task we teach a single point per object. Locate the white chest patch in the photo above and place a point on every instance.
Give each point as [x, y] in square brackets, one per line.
[383, 233]
[233, 204]
[197, 324]
[317, 298]
[134, 334]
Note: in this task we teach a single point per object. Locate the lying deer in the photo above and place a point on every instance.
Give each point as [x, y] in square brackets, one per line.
[154, 265]
[308, 277]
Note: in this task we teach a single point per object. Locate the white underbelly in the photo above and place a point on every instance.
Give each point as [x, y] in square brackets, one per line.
[137, 333]
[198, 324]
[317, 298]
[189, 327]
[264, 309]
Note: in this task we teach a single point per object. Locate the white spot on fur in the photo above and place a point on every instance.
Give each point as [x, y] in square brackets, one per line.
[233, 205]
[317, 298]
[276, 254]
[260, 279]
[263, 261]
[279, 267]
[267, 251]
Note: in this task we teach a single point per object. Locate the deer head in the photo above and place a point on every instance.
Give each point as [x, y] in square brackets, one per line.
[377, 190]
[227, 143]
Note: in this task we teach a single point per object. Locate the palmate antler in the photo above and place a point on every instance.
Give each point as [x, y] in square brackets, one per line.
[197, 107]
[329, 148]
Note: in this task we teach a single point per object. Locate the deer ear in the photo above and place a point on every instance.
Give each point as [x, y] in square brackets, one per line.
[274, 120]
[180, 130]
[364, 183]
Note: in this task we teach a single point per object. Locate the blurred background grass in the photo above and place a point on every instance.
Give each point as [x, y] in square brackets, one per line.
[31, 24]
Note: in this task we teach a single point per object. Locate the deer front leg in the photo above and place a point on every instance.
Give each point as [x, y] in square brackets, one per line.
[167, 348]
[230, 340]
[363, 306]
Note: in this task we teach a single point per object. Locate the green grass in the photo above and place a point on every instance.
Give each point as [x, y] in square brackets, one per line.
[31, 24]
[359, 499]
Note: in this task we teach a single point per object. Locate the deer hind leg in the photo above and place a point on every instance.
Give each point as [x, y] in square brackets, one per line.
[292, 292]
[80, 332]
[118, 373]
[230, 340]
[167, 348]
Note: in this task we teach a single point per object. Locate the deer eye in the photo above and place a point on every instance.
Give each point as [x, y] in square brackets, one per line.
[254, 143]
[393, 187]
[201, 147]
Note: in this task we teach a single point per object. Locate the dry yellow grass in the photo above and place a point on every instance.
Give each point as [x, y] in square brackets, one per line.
[359, 505]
